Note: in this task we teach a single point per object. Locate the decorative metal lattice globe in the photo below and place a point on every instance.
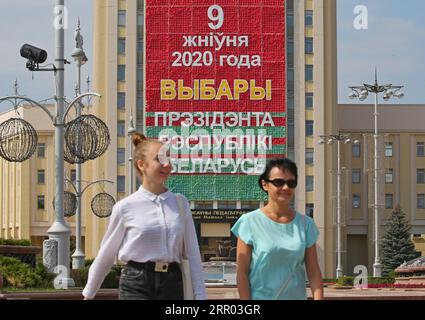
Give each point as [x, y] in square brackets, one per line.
[18, 140]
[87, 137]
[102, 204]
[69, 204]
[69, 157]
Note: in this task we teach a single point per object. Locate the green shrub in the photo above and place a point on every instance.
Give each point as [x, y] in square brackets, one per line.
[80, 276]
[113, 278]
[46, 277]
[17, 274]
[346, 281]
[88, 262]
[382, 280]
[13, 242]
[111, 281]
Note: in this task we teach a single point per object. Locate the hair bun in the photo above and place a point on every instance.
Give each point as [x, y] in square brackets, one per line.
[137, 138]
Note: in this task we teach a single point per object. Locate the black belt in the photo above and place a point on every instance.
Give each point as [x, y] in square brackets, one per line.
[154, 266]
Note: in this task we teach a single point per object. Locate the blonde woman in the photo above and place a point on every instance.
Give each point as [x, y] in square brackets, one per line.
[146, 232]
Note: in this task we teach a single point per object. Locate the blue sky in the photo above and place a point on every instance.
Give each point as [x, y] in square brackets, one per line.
[31, 21]
[394, 42]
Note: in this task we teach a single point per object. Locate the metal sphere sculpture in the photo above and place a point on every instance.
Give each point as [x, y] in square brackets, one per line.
[69, 204]
[87, 137]
[69, 157]
[18, 140]
[102, 204]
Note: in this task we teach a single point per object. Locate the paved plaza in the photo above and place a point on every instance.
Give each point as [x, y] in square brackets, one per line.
[231, 293]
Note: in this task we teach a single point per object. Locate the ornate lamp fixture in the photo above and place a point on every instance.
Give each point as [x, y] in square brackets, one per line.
[18, 140]
[102, 204]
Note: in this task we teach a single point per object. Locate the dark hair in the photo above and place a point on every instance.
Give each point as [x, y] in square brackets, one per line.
[282, 164]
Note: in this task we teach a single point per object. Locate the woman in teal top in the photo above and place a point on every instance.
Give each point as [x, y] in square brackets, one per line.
[276, 245]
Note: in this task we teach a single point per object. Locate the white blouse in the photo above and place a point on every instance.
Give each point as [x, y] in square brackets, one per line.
[147, 227]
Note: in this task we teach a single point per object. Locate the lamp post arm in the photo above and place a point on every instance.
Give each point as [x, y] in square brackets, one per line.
[72, 184]
[92, 183]
[32, 102]
[77, 99]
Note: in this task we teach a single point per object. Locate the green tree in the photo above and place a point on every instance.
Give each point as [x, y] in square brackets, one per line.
[396, 245]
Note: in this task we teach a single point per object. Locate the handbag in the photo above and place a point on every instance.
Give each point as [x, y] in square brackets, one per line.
[184, 265]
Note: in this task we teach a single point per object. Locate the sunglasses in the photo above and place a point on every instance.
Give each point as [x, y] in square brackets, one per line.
[279, 183]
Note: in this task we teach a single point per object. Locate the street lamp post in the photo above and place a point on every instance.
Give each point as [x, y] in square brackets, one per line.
[59, 231]
[362, 92]
[130, 132]
[80, 58]
[330, 139]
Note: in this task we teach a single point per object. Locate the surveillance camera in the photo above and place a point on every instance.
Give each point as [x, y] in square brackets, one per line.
[34, 55]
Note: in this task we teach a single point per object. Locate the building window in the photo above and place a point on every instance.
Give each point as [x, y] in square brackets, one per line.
[120, 183]
[309, 17]
[139, 52]
[309, 72]
[421, 201]
[389, 201]
[290, 103]
[121, 46]
[356, 201]
[40, 202]
[121, 156]
[139, 74]
[290, 52]
[355, 150]
[388, 149]
[204, 205]
[309, 98]
[290, 24]
[121, 18]
[139, 104]
[308, 46]
[309, 156]
[290, 5]
[309, 128]
[121, 100]
[41, 150]
[121, 128]
[309, 209]
[290, 78]
[40, 176]
[226, 205]
[309, 183]
[249, 205]
[420, 149]
[389, 176]
[355, 176]
[73, 175]
[420, 176]
[140, 19]
[121, 72]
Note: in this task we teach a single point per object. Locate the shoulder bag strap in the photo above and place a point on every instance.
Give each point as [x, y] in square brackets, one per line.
[286, 283]
[183, 220]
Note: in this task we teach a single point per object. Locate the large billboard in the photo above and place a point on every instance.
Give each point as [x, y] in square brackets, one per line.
[215, 91]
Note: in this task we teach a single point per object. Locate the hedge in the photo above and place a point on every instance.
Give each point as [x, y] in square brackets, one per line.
[349, 281]
[111, 281]
[13, 242]
[17, 274]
